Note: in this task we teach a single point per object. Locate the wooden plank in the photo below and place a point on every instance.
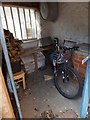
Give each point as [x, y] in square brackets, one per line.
[5, 103]
[13, 21]
[35, 23]
[30, 18]
[25, 22]
[29, 51]
[33, 5]
[5, 18]
[20, 22]
[30, 21]
[35, 60]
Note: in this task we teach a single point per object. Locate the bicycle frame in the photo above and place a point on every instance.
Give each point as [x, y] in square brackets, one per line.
[59, 56]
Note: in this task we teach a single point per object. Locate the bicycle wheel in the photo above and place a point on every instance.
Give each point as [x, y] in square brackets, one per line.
[68, 82]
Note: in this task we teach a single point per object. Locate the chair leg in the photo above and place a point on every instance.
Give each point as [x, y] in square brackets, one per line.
[24, 84]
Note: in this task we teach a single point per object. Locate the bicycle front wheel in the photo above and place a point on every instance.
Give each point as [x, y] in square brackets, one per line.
[68, 82]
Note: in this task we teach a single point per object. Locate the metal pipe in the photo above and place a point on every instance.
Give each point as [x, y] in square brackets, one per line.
[5, 51]
[86, 94]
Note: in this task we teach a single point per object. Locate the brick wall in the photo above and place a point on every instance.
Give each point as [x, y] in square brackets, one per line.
[79, 67]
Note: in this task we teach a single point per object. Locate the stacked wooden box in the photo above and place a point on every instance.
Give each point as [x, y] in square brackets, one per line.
[29, 62]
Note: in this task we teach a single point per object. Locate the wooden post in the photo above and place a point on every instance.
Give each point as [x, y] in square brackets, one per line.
[6, 110]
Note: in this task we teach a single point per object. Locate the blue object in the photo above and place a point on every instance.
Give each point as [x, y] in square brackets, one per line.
[10, 86]
[53, 56]
[86, 92]
[5, 51]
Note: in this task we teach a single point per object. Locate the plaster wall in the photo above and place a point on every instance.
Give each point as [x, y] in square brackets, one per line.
[71, 24]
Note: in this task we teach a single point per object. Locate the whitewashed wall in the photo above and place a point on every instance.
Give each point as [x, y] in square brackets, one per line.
[45, 28]
[71, 24]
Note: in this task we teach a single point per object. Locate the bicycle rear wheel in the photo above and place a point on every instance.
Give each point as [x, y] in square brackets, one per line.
[68, 82]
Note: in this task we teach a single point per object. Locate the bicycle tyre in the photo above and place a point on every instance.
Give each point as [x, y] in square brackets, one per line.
[78, 79]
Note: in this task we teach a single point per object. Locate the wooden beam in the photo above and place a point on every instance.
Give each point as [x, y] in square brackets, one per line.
[13, 21]
[5, 17]
[35, 22]
[30, 16]
[23, 4]
[20, 23]
[5, 103]
[25, 22]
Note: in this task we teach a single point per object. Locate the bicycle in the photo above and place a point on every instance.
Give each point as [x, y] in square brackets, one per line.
[66, 79]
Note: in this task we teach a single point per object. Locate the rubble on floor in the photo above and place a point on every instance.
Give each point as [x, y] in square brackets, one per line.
[47, 114]
[66, 114]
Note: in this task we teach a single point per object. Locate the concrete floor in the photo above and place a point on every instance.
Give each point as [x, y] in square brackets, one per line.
[41, 95]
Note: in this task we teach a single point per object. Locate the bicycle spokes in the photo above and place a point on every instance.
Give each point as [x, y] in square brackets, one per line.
[67, 82]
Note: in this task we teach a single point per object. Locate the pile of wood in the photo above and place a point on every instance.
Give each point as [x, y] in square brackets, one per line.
[13, 46]
[14, 53]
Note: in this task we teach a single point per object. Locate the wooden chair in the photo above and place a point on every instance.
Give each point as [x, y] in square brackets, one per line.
[20, 77]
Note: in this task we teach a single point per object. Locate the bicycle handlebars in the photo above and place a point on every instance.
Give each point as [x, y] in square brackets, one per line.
[66, 48]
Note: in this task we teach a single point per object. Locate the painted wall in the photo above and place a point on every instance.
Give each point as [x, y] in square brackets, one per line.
[72, 23]
[45, 28]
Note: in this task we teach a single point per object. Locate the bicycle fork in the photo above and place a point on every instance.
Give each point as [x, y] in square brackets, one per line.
[64, 73]
[54, 65]
[65, 76]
